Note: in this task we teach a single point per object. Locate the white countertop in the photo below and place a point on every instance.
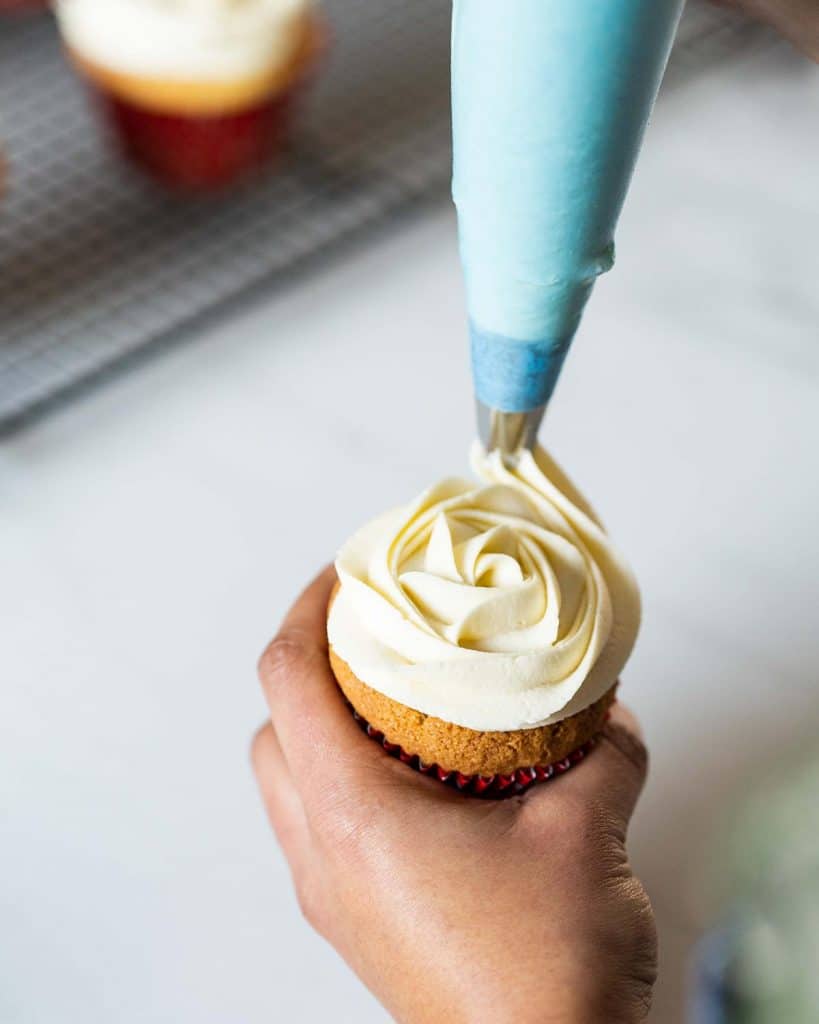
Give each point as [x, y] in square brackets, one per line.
[153, 532]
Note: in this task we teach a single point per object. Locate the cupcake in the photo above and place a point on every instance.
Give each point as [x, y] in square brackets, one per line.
[479, 632]
[22, 6]
[197, 92]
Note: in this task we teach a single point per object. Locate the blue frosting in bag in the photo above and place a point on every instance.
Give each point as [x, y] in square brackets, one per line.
[550, 99]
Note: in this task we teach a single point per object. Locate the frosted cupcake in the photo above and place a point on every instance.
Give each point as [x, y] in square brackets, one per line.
[198, 92]
[480, 631]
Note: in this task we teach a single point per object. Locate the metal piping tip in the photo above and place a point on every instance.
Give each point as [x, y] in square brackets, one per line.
[509, 432]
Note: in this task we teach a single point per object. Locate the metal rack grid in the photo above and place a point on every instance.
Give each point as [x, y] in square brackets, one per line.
[96, 263]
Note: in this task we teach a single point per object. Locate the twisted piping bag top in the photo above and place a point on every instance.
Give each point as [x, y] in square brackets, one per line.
[550, 99]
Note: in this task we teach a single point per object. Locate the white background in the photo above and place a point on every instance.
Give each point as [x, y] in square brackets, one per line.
[152, 534]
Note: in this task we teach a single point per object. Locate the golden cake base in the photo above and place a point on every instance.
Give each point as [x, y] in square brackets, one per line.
[456, 748]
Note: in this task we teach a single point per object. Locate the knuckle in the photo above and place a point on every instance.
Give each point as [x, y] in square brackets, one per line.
[631, 939]
[632, 894]
[578, 826]
[641, 935]
[310, 905]
[643, 960]
[639, 997]
[285, 653]
[257, 747]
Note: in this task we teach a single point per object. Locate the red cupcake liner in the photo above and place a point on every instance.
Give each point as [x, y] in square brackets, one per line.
[487, 786]
[22, 6]
[203, 153]
[199, 152]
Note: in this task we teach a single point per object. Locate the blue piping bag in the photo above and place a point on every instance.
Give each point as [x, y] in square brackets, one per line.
[550, 100]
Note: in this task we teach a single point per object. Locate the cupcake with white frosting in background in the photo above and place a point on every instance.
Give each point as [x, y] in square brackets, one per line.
[197, 92]
[22, 6]
[480, 631]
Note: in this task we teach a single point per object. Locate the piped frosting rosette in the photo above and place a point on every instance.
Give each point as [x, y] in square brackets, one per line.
[501, 606]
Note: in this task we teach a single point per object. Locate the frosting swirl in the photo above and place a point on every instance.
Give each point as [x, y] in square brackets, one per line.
[495, 607]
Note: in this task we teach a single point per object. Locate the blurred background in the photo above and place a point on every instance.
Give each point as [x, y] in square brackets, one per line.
[225, 342]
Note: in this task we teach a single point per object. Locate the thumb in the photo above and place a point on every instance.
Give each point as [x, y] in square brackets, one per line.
[615, 771]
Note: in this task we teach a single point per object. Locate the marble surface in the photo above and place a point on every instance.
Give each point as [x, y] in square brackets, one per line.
[153, 532]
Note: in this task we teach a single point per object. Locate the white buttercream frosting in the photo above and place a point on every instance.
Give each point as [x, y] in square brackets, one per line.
[497, 606]
[207, 40]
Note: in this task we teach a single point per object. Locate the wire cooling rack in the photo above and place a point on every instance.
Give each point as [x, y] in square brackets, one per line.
[96, 263]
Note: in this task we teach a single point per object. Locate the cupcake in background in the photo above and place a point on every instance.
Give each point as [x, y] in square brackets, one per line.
[22, 6]
[197, 92]
[479, 632]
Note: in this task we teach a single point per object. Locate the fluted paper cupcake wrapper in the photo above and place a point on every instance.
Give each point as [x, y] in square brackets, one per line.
[192, 152]
[200, 153]
[488, 786]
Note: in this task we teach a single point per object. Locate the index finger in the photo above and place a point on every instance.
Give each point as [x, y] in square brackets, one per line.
[318, 736]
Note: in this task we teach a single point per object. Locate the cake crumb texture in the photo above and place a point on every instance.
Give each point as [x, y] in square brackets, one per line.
[456, 748]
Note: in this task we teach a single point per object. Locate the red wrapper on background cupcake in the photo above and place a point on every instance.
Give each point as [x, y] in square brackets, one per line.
[22, 6]
[479, 632]
[197, 92]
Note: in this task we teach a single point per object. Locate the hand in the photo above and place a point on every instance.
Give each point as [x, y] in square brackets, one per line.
[449, 908]
[796, 20]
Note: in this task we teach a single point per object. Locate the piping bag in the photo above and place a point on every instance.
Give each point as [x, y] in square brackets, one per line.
[550, 100]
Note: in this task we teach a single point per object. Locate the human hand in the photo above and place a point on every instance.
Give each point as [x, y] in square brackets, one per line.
[451, 908]
[796, 20]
